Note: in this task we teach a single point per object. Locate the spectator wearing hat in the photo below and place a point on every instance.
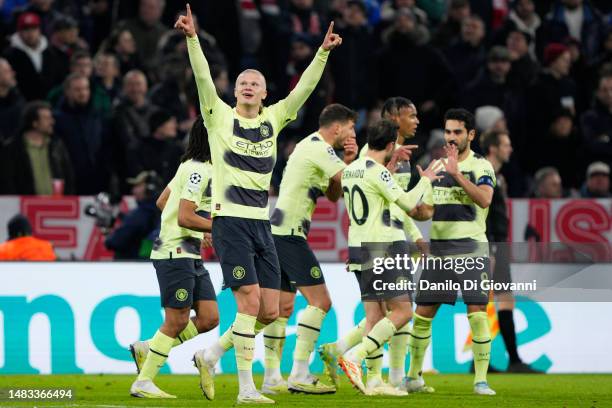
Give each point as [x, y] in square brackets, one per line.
[490, 118]
[451, 27]
[575, 19]
[133, 238]
[352, 66]
[32, 59]
[468, 52]
[34, 161]
[85, 133]
[44, 10]
[11, 101]
[597, 184]
[596, 123]
[22, 246]
[552, 91]
[161, 151]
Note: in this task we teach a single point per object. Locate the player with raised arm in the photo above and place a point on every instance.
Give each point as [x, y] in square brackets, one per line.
[459, 205]
[184, 283]
[369, 191]
[313, 171]
[243, 148]
[404, 113]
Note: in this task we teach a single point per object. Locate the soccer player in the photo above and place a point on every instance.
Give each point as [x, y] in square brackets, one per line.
[184, 283]
[404, 114]
[459, 204]
[313, 171]
[369, 191]
[243, 147]
[497, 147]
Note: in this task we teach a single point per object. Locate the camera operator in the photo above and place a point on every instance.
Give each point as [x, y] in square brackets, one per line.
[132, 239]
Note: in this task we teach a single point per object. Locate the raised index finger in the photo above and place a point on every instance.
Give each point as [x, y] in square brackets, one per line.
[411, 147]
[188, 11]
[330, 30]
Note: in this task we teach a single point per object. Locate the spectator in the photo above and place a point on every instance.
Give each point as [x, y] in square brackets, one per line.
[132, 238]
[64, 42]
[45, 12]
[596, 123]
[597, 184]
[468, 52]
[147, 31]
[222, 85]
[106, 75]
[84, 131]
[524, 18]
[81, 64]
[121, 43]
[11, 101]
[451, 27]
[490, 118]
[31, 58]
[35, 162]
[174, 92]
[96, 22]
[22, 246]
[435, 148]
[305, 20]
[576, 19]
[351, 67]
[389, 9]
[553, 89]
[524, 68]
[429, 83]
[161, 151]
[547, 183]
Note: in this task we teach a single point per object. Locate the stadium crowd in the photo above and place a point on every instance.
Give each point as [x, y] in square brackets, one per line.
[94, 92]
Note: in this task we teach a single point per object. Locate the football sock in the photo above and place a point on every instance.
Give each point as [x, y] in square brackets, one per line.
[398, 346]
[352, 338]
[508, 332]
[481, 344]
[375, 339]
[159, 347]
[374, 363]
[309, 328]
[418, 341]
[243, 333]
[274, 340]
[188, 333]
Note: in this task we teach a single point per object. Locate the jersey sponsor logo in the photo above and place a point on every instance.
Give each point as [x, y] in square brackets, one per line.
[315, 272]
[181, 295]
[238, 272]
[256, 149]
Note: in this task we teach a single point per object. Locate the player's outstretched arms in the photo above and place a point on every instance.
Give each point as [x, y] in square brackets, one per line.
[408, 201]
[187, 217]
[204, 82]
[311, 76]
[163, 199]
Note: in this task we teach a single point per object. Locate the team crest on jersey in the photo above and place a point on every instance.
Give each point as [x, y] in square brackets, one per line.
[264, 130]
[315, 272]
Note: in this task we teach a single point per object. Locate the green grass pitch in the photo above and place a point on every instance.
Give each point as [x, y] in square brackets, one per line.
[451, 391]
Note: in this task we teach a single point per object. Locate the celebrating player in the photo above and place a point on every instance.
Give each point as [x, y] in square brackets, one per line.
[243, 146]
[459, 205]
[184, 283]
[313, 170]
[404, 114]
[369, 191]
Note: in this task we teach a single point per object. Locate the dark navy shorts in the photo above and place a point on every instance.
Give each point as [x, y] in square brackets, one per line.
[246, 252]
[183, 281]
[299, 266]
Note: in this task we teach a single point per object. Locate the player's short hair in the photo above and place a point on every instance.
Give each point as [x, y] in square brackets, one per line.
[30, 114]
[381, 133]
[393, 105]
[197, 146]
[336, 113]
[252, 71]
[491, 138]
[462, 115]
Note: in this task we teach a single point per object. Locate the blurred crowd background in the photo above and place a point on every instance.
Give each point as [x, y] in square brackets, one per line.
[96, 95]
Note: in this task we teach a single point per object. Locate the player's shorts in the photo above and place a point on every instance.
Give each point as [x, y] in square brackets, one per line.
[246, 252]
[501, 268]
[443, 283]
[390, 283]
[299, 266]
[183, 281]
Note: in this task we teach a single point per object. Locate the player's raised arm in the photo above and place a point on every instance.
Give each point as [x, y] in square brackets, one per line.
[408, 201]
[311, 76]
[481, 194]
[204, 82]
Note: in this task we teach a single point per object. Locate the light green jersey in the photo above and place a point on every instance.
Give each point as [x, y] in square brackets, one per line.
[306, 178]
[191, 182]
[244, 150]
[399, 218]
[456, 216]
